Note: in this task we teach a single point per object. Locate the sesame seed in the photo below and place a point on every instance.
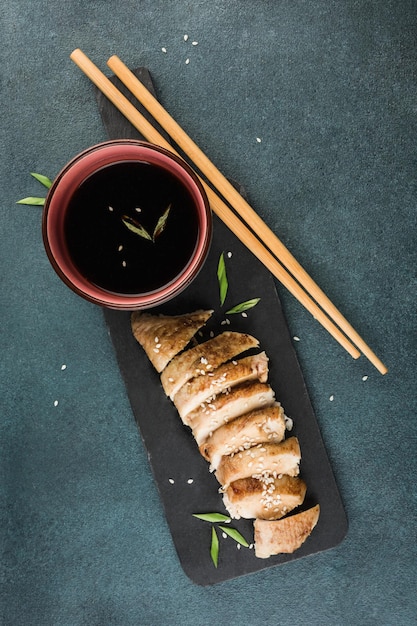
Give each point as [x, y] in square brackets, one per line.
[170, 380]
[158, 345]
[156, 339]
[138, 210]
[156, 350]
[238, 546]
[331, 398]
[195, 43]
[187, 61]
[124, 263]
[63, 367]
[211, 333]
[229, 255]
[296, 338]
[258, 139]
[185, 37]
[244, 314]
[171, 480]
[55, 402]
[111, 208]
[190, 481]
[224, 535]
[164, 50]
[120, 248]
[364, 377]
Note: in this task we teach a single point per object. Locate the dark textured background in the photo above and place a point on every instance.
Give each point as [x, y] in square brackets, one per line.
[330, 88]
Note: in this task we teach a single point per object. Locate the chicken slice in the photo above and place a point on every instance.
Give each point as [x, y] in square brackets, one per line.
[227, 406]
[199, 389]
[164, 336]
[265, 498]
[262, 460]
[204, 358]
[284, 535]
[245, 431]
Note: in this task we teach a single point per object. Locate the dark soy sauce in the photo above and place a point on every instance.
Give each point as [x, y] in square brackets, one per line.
[113, 257]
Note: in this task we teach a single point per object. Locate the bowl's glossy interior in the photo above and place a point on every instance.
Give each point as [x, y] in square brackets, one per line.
[69, 180]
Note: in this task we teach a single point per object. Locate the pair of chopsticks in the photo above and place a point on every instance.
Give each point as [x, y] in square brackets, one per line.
[262, 242]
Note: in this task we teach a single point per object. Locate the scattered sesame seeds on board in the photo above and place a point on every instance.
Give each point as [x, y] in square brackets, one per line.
[185, 37]
[331, 398]
[171, 480]
[63, 367]
[365, 377]
[56, 402]
[164, 50]
[259, 140]
[296, 338]
[187, 61]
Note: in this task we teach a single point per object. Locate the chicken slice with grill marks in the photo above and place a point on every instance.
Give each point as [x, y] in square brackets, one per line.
[198, 389]
[164, 336]
[203, 358]
[284, 535]
[245, 431]
[225, 407]
[264, 498]
[265, 459]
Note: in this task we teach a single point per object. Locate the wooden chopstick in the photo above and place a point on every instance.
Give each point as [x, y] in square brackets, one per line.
[221, 209]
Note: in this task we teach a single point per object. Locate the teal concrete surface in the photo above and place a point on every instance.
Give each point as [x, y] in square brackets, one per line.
[311, 105]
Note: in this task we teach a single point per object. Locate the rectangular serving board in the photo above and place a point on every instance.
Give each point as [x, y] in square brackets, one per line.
[182, 476]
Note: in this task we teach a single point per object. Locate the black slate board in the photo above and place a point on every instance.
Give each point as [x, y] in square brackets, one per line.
[171, 449]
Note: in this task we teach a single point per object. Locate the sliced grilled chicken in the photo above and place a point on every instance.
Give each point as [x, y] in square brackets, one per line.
[204, 358]
[226, 406]
[199, 389]
[262, 460]
[164, 336]
[264, 498]
[245, 431]
[284, 535]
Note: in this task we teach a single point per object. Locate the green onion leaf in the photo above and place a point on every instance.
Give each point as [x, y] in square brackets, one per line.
[44, 180]
[212, 517]
[243, 306]
[135, 227]
[235, 534]
[160, 226]
[222, 278]
[214, 548]
[32, 201]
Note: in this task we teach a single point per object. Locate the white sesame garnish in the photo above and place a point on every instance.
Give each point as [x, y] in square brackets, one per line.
[124, 263]
[170, 380]
[187, 61]
[238, 546]
[258, 139]
[63, 367]
[171, 480]
[224, 535]
[364, 377]
[244, 314]
[164, 50]
[111, 208]
[138, 209]
[331, 398]
[211, 333]
[120, 248]
[190, 481]
[55, 402]
[156, 339]
[195, 43]
[185, 37]
[229, 255]
[156, 350]
[296, 338]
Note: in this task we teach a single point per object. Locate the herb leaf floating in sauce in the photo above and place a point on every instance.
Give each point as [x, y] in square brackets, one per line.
[231, 532]
[160, 226]
[34, 200]
[222, 278]
[135, 227]
[243, 306]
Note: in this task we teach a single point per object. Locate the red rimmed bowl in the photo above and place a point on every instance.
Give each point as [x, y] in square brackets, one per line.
[127, 225]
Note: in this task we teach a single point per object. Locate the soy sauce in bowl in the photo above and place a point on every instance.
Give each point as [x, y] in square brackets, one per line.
[131, 228]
